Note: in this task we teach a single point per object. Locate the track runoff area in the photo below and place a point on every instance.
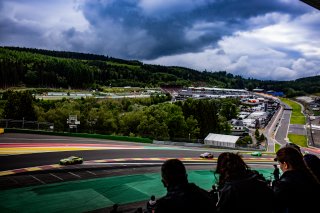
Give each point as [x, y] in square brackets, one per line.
[112, 172]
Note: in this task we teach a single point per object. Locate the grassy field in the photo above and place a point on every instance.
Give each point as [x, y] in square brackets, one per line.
[122, 89]
[300, 140]
[296, 117]
[123, 65]
[277, 147]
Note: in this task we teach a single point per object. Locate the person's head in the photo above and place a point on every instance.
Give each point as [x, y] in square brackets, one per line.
[152, 197]
[115, 206]
[290, 158]
[230, 166]
[173, 173]
[313, 162]
[275, 166]
[293, 145]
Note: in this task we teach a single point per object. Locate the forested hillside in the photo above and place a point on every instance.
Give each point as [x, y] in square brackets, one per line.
[40, 68]
[55, 69]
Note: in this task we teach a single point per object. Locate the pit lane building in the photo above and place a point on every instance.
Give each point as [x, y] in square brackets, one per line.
[208, 92]
[220, 140]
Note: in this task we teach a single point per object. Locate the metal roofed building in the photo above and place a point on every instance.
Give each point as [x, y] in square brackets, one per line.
[212, 92]
[221, 140]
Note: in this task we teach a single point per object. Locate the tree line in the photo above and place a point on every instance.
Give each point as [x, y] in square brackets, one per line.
[59, 69]
[150, 117]
[35, 68]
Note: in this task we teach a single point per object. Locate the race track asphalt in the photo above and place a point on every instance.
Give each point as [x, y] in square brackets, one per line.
[120, 172]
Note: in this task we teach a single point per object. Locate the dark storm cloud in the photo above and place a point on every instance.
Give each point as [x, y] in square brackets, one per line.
[168, 29]
[15, 32]
[274, 39]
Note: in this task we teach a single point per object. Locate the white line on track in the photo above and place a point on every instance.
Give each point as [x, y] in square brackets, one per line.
[56, 176]
[37, 179]
[74, 174]
[91, 173]
[13, 180]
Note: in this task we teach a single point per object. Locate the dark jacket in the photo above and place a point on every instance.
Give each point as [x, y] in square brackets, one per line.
[296, 191]
[151, 206]
[185, 198]
[276, 174]
[249, 194]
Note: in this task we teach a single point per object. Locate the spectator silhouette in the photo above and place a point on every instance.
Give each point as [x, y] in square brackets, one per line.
[293, 145]
[138, 210]
[181, 196]
[313, 162]
[115, 208]
[241, 189]
[276, 173]
[151, 204]
[297, 188]
[214, 193]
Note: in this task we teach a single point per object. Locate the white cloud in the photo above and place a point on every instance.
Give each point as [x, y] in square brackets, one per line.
[281, 73]
[242, 64]
[209, 59]
[45, 20]
[267, 19]
[282, 50]
[309, 67]
[60, 15]
[42, 24]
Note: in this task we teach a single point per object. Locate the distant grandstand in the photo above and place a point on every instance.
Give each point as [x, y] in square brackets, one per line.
[207, 92]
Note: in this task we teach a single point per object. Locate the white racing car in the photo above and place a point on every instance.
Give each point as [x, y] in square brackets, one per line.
[206, 155]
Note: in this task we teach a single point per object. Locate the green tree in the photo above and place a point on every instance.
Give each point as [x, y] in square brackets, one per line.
[192, 127]
[106, 121]
[244, 141]
[262, 138]
[31, 77]
[129, 122]
[228, 110]
[60, 113]
[257, 133]
[153, 128]
[19, 106]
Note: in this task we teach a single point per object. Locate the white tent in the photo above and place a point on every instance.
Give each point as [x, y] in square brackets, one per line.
[221, 140]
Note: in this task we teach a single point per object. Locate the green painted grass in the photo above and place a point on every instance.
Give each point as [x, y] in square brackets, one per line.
[300, 140]
[83, 135]
[277, 147]
[298, 120]
[88, 195]
[296, 117]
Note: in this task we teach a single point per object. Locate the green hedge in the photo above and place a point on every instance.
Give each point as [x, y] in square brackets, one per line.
[83, 135]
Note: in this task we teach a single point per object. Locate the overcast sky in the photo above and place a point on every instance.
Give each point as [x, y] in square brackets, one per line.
[262, 39]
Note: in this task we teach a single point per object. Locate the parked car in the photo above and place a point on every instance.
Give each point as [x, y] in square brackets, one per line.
[258, 154]
[71, 160]
[206, 155]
